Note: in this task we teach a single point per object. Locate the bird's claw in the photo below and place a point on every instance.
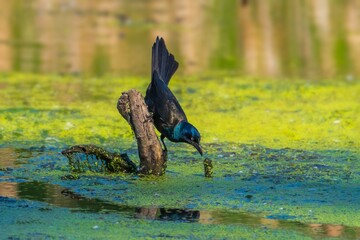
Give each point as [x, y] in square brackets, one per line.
[148, 118]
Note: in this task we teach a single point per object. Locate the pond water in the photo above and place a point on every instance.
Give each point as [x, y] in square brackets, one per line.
[56, 195]
[312, 39]
[84, 194]
[285, 155]
[285, 152]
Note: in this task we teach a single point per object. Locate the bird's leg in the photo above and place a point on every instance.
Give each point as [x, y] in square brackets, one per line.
[162, 136]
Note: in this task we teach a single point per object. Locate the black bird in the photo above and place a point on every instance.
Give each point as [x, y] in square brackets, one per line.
[169, 118]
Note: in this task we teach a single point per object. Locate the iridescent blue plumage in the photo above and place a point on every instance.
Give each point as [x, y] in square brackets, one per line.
[169, 118]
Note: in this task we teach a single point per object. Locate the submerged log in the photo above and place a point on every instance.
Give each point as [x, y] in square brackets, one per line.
[153, 158]
[113, 162]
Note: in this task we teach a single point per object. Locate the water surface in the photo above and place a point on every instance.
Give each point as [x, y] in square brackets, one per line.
[284, 194]
[58, 196]
[312, 39]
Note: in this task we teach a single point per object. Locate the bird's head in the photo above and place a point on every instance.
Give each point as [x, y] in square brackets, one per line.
[189, 134]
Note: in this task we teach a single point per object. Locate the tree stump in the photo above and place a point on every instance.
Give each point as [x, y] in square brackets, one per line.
[153, 158]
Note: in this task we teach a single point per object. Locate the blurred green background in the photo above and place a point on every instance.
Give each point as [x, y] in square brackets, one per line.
[299, 38]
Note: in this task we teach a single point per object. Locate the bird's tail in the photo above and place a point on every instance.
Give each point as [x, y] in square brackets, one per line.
[162, 61]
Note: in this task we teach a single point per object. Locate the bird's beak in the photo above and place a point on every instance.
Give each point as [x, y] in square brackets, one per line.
[196, 145]
[199, 148]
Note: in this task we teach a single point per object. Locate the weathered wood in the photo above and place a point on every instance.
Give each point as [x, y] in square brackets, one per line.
[132, 107]
[114, 162]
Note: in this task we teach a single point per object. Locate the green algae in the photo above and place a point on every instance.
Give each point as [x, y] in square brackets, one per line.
[297, 114]
[309, 186]
[112, 226]
[172, 222]
[280, 150]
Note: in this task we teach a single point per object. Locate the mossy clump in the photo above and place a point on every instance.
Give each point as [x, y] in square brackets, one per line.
[96, 159]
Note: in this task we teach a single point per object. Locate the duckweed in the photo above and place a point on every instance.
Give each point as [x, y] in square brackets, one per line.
[292, 145]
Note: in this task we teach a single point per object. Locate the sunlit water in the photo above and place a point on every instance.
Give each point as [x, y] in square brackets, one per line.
[233, 114]
[285, 155]
[314, 39]
[30, 160]
[58, 196]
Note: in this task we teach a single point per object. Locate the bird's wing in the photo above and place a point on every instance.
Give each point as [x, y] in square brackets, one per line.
[165, 105]
[162, 61]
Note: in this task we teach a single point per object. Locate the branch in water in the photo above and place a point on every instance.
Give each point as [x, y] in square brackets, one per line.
[114, 162]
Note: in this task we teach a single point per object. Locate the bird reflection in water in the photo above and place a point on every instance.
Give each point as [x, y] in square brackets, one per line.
[168, 214]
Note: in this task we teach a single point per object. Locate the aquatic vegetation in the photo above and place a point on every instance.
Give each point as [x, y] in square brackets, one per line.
[295, 114]
[285, 154]
[115, 226]
[278, 185]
